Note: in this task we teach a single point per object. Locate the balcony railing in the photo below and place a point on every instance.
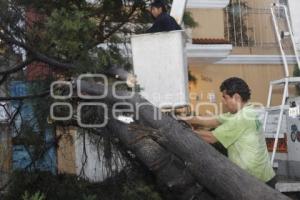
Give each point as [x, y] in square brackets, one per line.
[252, 27]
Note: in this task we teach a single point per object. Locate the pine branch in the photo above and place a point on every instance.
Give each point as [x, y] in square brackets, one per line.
[41, 95]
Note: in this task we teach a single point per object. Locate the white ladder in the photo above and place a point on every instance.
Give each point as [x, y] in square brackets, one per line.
[280, 35]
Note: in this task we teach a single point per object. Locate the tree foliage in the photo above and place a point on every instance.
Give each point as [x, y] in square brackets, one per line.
[71, 31]
[75, 36]
[42, 185]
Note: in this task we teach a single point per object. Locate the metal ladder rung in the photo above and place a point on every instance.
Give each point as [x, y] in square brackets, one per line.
[288, 186]
[273, 135]
[276, 108]
[291, 80]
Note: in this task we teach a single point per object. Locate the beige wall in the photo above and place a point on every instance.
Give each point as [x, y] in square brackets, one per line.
[261, 28]
[256, 51]
[66, 150]
[209, 78]
[210, 23]
[259, 3]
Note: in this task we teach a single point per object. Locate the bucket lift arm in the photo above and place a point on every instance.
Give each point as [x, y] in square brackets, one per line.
[177, 10]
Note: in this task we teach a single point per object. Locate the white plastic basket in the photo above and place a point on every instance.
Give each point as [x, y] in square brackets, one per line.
[160, 64]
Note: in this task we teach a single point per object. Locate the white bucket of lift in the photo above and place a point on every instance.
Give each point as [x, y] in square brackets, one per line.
[160, 64]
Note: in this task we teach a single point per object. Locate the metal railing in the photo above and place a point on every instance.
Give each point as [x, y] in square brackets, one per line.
[246, 26]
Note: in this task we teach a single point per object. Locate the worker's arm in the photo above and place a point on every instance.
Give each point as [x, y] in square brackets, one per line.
[209, 122]
[207, 136]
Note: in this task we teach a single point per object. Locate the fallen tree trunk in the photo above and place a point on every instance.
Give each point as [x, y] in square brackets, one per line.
[169, 169]
[210, 168]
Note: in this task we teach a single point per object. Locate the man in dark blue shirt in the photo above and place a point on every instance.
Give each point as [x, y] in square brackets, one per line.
[163, 21]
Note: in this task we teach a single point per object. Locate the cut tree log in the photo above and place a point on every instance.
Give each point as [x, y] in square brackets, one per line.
[210, 168]
[170, 171]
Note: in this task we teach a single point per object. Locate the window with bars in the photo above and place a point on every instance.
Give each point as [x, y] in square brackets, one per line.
[236, 14]
[248, 24]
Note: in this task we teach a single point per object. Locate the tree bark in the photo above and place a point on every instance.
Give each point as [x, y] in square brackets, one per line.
[169, 170]
[210, 168]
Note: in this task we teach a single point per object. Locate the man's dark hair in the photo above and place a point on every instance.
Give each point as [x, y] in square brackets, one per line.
[236, 85]
[159, 4]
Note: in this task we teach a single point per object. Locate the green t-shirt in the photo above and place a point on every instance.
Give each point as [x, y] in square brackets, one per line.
[241, 134]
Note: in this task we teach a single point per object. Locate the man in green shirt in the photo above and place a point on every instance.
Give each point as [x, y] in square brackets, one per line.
[239, 131]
